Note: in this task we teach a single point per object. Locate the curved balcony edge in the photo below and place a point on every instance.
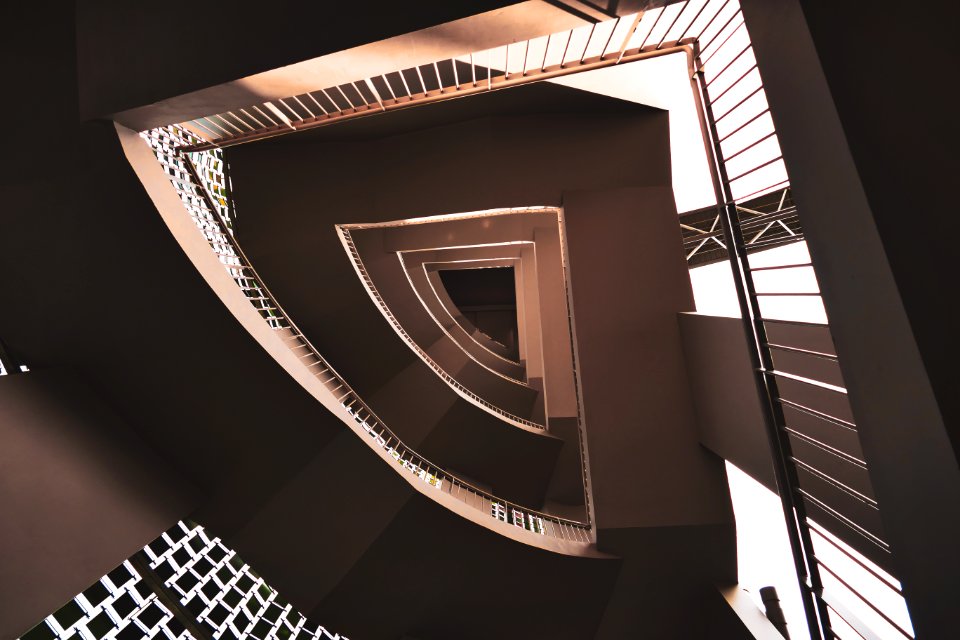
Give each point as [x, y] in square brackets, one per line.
[555, 534]
[472, 333]
[354, 256]
[443, 318]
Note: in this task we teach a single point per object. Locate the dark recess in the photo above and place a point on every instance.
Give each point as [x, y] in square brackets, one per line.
[488, 299]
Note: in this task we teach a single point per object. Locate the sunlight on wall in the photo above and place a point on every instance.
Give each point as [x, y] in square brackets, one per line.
[715, 295]
[713, 290]
[664, 83]
[763, 548]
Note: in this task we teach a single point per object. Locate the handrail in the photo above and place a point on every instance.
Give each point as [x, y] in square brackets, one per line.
[347, 240]
[446, 331]
[374, 101]
[183, 175]
[758, 170]
[581, 435]
[746, 210]
[460, 323]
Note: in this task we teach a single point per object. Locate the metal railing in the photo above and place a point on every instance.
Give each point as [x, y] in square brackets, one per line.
[822, 477]
[347, 239]
[773, 221]
[169, 144]
[466, 327]
[592, 46]
[351, 249]
[747, 166]
[430, 309]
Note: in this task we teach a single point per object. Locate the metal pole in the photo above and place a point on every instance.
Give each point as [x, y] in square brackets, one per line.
[771, 602]
[786, 475]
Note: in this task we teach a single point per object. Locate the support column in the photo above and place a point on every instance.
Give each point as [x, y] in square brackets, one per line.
[913, 465]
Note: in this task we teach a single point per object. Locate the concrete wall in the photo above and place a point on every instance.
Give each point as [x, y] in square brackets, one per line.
[861, 137]
[292, 192]
[178, 61]
[628, 281]
[79, 493]
[93, 281]
[725, 396]
[425, 279]
[391, 281]
[904, 157]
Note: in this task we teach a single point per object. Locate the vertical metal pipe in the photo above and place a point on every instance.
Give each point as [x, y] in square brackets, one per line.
[423, 85]
[320, 106]
[305, 107]
[793, 511]
[566, 47]
[332, 101]
[771, 603]
[228, 186]
[609, 38]
[587, 45]
[376, 94]
[632, 30]
[436, 71]
[389, 88]
[349, 101]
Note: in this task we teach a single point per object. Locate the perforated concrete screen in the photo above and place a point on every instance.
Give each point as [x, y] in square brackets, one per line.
[184, 585]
